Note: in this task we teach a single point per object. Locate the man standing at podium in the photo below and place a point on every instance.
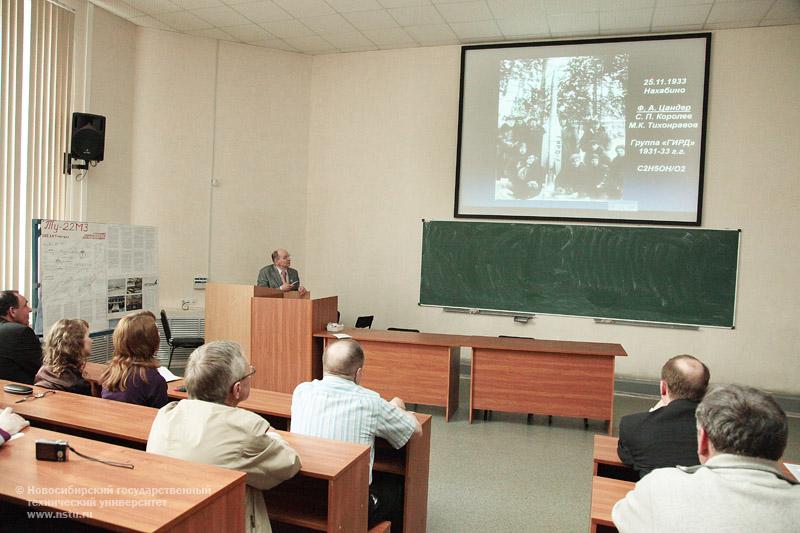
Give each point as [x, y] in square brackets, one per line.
[279, 275]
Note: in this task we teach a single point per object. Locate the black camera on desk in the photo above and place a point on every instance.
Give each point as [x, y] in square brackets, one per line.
[52, 450]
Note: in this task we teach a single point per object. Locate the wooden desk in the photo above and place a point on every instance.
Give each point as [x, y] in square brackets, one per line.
[606, 461]
[605, 493]
[417, 367]
[333, 479]
[412, 461]
[561, 378]
[214, 502]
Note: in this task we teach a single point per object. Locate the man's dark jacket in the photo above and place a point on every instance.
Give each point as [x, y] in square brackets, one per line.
[661, 438]
[20, 352]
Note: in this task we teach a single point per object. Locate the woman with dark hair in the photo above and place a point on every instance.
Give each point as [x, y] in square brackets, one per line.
[132, 376]
[65, 351]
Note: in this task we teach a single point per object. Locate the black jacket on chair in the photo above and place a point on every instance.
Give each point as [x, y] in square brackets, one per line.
[20, 352]
[661, 438]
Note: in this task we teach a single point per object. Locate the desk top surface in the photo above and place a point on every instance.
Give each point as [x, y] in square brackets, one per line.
[605, 493]
[157, 493]
[476, 341]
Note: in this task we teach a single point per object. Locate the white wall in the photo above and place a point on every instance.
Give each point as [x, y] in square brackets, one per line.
[260, 160]
[112, 58]
[382, 157]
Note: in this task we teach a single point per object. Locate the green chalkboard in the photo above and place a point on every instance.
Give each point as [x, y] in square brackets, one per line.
[666, 275]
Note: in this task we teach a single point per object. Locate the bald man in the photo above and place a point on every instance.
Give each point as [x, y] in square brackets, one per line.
[337, 407]
[280, 275]
[666, 436]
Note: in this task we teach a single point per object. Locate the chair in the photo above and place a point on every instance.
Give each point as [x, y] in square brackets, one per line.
[178, 342]
[364, 322]
[403, 329]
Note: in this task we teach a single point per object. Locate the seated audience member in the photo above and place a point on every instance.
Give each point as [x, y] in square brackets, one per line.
[10, 423]
[667, 434]
[209, 428]
[20, 350]
[132, 376]
[65, 351]
[338, 408]
[741, 434]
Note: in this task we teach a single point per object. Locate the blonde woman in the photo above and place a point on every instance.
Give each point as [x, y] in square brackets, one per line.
[65, 351]
[132, 376]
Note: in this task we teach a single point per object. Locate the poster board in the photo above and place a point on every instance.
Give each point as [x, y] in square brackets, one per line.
[93, 271]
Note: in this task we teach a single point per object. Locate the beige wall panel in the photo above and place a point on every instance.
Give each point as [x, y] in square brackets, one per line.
[172, 152]
[112, 57]
[261, 156]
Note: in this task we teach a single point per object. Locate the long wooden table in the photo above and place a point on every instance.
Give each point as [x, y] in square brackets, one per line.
[563, 378]
[417, 367]
[412, 461]
[159, 494]
[329, 493]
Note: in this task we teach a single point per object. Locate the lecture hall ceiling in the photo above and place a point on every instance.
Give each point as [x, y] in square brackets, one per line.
[331, 26]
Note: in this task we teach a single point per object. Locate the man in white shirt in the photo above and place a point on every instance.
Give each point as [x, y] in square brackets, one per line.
[739, 486]
[337, 407]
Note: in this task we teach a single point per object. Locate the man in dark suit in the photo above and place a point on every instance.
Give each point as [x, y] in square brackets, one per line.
[280, 275]
[667, 434]
[20, 349]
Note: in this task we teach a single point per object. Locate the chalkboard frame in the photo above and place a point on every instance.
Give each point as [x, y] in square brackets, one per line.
[730, 271]
[703, 128]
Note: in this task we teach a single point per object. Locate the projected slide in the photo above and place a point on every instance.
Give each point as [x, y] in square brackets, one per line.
[587, 130]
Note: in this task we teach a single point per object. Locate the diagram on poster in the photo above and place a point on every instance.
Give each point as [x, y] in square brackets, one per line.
[96, 272]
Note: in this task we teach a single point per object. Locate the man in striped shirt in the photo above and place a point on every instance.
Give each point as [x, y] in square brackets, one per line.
[338, 408]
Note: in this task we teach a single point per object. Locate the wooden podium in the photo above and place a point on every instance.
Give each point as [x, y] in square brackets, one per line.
[275, 330]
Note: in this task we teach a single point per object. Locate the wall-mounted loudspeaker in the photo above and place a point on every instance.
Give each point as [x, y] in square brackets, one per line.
[88, 137]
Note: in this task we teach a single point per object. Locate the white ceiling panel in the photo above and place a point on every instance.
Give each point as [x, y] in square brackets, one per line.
[394, 38]
[249, 33]
[524, 27]
[786, 9]
[416, 16]
[680, 16]
[578, 23]
[483, 30]
[305, 8]
[154, 7]
[371, 20]
[221, 16]
[749, 12]
[625, 20]
[261, 11]
[432, 34]
[183, 21]
[349, 6]
[286, 29]
[350, 41]
[197, 4]
[328, 24]
[366, 24]
[465, 12]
